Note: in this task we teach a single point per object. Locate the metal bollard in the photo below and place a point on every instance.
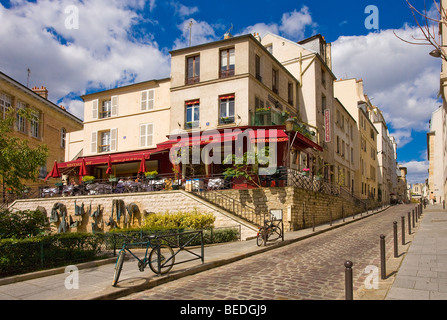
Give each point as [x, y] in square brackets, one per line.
[348, 280]
[403, 230]
[409, 222]
[382, 258]
[413, 218]
[417, 213]
[395, 239]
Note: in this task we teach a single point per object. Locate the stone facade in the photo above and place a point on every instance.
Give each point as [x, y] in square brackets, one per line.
[157, 202]
[299, 206]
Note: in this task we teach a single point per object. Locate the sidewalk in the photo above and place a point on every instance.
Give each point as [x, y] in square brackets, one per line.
[95, 278]
[423, 272]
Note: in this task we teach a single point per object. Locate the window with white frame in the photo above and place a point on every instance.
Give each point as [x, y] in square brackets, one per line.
[35, 124]
[106, 108]
[227, 62]
[21, 121]
[5, 104]
[192, 114]
[226, 109]
[147, 99]
[146, 134]
[104, 141]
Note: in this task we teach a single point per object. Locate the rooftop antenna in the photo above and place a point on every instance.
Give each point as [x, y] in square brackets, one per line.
[190, 31]
[228, 34]
[27, 81]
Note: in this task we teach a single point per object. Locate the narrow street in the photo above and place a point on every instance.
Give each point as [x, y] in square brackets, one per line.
[309, 269]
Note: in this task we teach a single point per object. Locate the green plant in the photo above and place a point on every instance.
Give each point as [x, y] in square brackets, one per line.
[88, 178]
[180, 220]
[22, 224]
[151, 173]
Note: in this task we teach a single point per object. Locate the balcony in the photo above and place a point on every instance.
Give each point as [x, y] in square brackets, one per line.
[268, 117]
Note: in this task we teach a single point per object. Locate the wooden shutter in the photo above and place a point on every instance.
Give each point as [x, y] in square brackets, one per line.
[113, 139]
[150, 99]
[94, 142]
[143, 100]
[114, 106]
[95, 109]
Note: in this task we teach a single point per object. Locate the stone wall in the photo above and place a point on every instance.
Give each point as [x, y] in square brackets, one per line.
[157, 202]
[299, 206]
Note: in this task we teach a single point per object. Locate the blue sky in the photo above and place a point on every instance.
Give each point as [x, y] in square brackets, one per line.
[120, 42]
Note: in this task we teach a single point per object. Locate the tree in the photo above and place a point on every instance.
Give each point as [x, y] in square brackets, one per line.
[18, 161]
[428, 26]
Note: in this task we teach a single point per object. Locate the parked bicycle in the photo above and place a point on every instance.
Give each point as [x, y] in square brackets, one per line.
[160, 259]
[271, 231]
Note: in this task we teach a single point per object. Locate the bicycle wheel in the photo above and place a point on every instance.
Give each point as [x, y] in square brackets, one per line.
[276, 233]
[167, 259]
[118, 267]
[260, 237]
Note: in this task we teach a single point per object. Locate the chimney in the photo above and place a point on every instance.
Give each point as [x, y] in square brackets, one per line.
[257, 37]
[43, 92]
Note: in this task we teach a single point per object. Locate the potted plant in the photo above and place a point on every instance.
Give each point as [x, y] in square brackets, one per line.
[151, 174]
[226, 119]
[305, 172]
[263, 110]
[88, 179]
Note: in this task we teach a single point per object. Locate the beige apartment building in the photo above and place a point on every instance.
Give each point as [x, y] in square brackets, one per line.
[386, 156]
[346, 147]
[309, 61]
[127, 119]
[222, 85]
[51, 125]
[350, 93]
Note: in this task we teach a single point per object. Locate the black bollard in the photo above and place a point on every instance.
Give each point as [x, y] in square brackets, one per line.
[382, 257]
[403, 230]
[413, 218]
[395, 239]
[348, 280]
[409, 222]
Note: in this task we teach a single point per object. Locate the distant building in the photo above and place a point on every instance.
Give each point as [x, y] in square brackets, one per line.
[51, 125]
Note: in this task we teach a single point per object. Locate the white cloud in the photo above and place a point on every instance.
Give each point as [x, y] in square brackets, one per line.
[417, 171]
[200, 32]
[400, 78]
[184, 11]
[101, 53]
[292, 25]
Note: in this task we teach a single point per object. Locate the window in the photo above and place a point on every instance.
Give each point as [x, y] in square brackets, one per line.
[63, 137]
[323, 78]
[106, 109]
[269, 48]
[5, 104]
[35, 128]
[258, 67]
[147, 99]
[275, 83]
[193, 70]
[21, 121]
[104, 145]
[226, 109]
[146, 135]
[107, 141]
[290, 93]
[227, 61]
[192, 114]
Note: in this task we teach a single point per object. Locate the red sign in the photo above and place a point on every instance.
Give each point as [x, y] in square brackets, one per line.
[327, 125]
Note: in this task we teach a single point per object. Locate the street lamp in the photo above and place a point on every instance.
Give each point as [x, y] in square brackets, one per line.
[435, 53]
[289, 124]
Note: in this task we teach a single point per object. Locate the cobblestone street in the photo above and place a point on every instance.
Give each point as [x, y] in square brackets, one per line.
[309, 269]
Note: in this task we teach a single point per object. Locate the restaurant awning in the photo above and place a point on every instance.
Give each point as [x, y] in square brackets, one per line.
[255, 134]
